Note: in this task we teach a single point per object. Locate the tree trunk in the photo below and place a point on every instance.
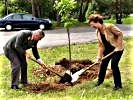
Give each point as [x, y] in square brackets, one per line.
[35, 8]
[6, 7]
[58, 18]
[54, 13]
[83, 11]
[80, 12]
[69, 40]
[118, 12]
[86, 7]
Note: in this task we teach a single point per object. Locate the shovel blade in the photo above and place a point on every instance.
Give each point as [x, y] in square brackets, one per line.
[66, 78]
[76, 75]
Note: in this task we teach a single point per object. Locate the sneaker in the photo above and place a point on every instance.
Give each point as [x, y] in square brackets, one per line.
[15, 87]
[117, 88]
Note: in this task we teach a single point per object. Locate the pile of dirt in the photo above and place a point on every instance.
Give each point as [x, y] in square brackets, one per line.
[44, 87]
[60, 68]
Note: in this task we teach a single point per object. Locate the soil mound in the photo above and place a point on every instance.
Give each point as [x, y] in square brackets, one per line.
[60, 68]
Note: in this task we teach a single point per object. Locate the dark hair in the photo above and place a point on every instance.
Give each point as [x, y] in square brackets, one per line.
[96, 18]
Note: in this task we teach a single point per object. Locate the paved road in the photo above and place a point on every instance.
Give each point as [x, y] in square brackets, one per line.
[59, 36]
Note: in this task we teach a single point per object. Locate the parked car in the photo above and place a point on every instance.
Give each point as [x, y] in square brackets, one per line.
[22, 20]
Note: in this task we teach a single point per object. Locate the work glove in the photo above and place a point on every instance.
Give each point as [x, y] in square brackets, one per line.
[40, 61]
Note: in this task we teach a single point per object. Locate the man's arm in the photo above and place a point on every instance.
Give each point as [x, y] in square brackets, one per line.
[35, 51]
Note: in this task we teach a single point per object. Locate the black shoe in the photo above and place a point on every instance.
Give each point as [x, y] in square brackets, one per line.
[15, 87]
[117, 88]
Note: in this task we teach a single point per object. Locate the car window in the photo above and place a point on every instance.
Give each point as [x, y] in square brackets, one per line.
[17, 17]
[27, 17]
[8, 17]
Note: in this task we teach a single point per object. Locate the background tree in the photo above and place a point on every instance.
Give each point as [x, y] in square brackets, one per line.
[83, 6]
[39, 8]
[2, 9]
[20, 6]
[6, 6]
[110, 8]
[45, 8]
[42, 8]
[118, 10]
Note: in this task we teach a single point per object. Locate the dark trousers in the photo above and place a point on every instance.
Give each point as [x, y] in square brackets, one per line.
[115, 58]
[17, 65]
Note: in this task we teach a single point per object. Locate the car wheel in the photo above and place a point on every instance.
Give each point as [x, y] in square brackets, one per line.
[42, 26]
[8, 27]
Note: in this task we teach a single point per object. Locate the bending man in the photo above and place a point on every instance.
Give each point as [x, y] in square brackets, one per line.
[15, 51]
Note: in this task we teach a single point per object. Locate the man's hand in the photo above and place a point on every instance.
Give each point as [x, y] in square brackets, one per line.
[40, 61]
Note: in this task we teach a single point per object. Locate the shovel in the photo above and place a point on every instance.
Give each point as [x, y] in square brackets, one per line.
[44, 66]
[76, 75]
[66, 78]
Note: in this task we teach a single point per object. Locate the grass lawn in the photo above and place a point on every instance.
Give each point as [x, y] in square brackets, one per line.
[85, 91]
[127, 20]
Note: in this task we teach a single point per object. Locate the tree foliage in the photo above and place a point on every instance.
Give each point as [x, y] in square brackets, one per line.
[41, 8]
[1, 9]
[82, 8]
[19, 6]
[109, 8]
[65, 8]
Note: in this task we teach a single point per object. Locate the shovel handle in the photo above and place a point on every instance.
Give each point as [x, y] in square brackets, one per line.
[108, 55]
[44, 66]
[102, 59]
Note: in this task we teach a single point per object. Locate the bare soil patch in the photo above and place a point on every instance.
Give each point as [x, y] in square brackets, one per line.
[60, 68]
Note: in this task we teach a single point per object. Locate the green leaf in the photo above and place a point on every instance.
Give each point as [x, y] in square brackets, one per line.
[65, 7]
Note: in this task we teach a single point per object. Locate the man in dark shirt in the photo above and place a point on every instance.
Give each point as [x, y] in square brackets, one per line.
[15, 51]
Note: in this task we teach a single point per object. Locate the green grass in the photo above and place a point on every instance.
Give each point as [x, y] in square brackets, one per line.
[126, 20]
[85, 91]
[55, 25]
[112, 20]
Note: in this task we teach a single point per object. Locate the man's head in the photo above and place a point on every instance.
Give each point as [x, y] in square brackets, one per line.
[38, 35]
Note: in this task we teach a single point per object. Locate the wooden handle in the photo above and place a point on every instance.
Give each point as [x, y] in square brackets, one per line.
[108, 55]
[44, 66]
[102, 59]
